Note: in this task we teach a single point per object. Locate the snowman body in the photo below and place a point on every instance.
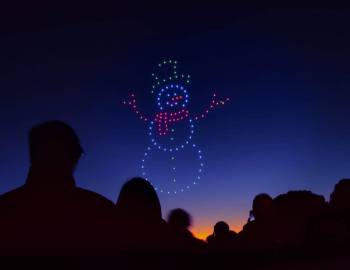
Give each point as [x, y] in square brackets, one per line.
[171, 135]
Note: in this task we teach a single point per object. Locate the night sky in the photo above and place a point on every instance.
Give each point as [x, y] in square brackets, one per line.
[286, 71]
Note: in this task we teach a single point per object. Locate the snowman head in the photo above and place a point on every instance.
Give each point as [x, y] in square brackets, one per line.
[170, 87]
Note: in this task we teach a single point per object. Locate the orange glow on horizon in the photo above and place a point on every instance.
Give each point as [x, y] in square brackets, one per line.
[202, 232]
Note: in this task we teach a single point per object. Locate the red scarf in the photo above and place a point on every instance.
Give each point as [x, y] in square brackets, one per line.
[164, 119]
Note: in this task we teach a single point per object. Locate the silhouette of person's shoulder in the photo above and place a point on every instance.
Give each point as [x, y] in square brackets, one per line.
[13, 196]
[98, 199]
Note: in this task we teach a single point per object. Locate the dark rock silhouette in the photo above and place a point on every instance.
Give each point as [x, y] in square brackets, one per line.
[331, 228]
[294, 211]
[49, 213]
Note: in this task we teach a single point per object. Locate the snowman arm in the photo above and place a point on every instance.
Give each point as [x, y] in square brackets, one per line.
[133, 105]
[212, 105]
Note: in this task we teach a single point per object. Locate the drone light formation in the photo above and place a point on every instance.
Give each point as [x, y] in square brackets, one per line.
[172, 99]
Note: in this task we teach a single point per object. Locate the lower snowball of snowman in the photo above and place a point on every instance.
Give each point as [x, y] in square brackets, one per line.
[185, 187]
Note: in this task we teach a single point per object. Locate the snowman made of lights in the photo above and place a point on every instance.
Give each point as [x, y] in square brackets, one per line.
[171, 130]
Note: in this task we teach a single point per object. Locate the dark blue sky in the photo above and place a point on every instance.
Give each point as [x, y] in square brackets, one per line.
[285, 70]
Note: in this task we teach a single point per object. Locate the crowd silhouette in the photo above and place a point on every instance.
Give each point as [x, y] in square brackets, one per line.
[50, 215]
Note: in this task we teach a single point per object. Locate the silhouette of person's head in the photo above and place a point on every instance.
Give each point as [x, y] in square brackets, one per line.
[262, 207]
[221, 228]
[179, 219]
[340, 197]
[54, 146]
[138, 200]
